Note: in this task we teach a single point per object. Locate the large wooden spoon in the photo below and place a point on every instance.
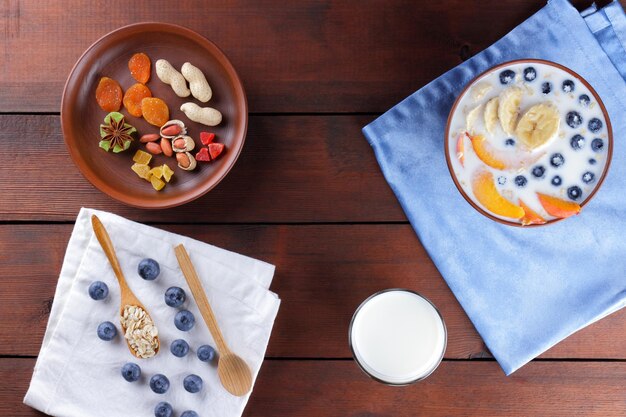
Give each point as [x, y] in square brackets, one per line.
[233, 371]
[128, 297]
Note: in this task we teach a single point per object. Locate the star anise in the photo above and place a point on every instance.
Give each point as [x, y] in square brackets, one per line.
[116, 133]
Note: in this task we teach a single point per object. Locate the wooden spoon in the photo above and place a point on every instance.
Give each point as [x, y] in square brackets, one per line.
[233, 371]
[128, 298]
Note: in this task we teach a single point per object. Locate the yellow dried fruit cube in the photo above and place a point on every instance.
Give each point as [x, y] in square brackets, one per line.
[142, 170]
[157, 183]
[157, 172]
[142, 157]
[167, 173]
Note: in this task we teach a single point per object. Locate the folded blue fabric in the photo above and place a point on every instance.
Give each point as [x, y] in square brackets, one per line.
[524, 289]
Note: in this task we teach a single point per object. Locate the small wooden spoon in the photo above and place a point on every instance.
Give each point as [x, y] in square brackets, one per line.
[128, 298]
[233, 371]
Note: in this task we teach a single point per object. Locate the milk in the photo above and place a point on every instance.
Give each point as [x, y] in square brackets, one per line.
[397, 337]
[576, 161]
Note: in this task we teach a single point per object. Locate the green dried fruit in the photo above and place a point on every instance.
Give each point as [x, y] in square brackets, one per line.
[116, 133]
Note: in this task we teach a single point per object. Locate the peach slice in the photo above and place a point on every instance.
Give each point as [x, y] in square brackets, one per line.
[557, 207]
[487, 194]
[530, 216]
[460, 148]
[500, 159]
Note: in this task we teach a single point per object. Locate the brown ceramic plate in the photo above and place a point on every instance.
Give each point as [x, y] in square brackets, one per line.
[577, 159]
[81, 116]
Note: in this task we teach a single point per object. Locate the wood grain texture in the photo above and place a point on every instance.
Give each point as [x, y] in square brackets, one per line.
[292, 169]
[305, 56]
[331, 388]
[323, 274]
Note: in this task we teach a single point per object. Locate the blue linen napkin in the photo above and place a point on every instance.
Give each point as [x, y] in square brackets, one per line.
[523, 289]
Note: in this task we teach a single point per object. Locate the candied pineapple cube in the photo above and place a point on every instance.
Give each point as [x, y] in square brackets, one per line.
[167, 172]
[142, 157]
[142, 171]
[157, 183]
[157, 172]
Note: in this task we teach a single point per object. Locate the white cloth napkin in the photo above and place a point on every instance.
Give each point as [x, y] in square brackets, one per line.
[78, 375]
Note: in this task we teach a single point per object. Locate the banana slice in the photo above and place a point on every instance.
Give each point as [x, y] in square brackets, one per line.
[508, 109]
[538, 125]
[491, 114]
[480, 89]
[472, 116]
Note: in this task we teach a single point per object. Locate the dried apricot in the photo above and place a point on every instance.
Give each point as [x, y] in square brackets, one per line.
[139, 66]
[133, 97]
[155, 111]
[109, 94]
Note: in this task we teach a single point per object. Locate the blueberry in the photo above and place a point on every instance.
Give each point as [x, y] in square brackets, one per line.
[597, 144]
[568, 86]
[159, 384]
[546, 87]
[584, 100]
[574, 192]
[98, 290]
[577, 142]
[520, 181]
[206, 353]
[131, 372]
[530, 74]
[189, 413]
[507, 76]
[557, 160]
[163, 409]
[592, 161]
[107, 331]
[184, 320]
[501, 180]
[179, 348]
[175, 296]
[573, 119]
[588, 177]
[595, 125]
[538, 171]
[192, 383]
[509, 142]
[148, 269]
[556, 181]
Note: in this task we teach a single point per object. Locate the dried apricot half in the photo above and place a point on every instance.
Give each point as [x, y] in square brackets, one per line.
[155, 111]
[133, 97]
[109, 94]
[139, 66]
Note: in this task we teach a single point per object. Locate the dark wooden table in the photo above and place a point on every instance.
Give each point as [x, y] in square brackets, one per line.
[306, 195]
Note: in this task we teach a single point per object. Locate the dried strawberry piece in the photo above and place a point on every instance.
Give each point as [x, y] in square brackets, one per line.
[206, 137]
[215, 149]
[203, 155]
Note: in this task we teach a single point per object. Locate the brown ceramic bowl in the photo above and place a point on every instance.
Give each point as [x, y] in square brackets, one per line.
[81, 116]
[609, 148]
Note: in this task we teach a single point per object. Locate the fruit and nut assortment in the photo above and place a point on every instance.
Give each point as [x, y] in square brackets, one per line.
[528, 142]
[139, 336]
[171, 139]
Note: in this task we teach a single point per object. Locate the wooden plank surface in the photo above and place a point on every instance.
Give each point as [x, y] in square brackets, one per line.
[292, 169]
[326, 269]
[307, 184]
[338, 388]
[304, 56]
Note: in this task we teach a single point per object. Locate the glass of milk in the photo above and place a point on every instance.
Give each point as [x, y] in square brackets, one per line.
[397, 337]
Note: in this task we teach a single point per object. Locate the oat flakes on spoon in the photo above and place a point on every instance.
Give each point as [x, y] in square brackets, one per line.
[140, 332]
